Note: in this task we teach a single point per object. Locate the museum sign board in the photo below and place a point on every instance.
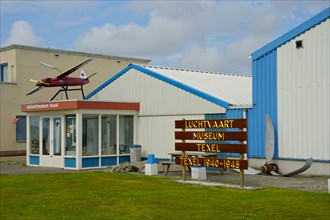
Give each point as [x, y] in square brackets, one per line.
[213, 136]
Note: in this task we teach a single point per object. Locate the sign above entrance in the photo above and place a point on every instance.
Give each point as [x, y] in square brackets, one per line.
[67, 105]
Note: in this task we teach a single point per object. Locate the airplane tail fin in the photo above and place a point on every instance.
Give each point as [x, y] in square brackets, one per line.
[83, 75]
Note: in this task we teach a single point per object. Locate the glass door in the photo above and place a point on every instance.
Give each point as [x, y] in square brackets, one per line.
[51, 142]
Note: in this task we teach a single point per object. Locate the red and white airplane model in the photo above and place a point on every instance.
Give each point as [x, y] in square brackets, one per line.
[64, 81]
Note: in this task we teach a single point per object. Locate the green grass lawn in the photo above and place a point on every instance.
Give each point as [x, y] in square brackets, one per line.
[101, 195]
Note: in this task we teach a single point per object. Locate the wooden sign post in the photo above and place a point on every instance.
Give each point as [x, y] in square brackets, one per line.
[216, 144]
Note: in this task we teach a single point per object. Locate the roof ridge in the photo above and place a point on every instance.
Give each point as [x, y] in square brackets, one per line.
[191, 70]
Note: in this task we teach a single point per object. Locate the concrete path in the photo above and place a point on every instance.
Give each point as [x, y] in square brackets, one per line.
[299, 182]
[17, 165]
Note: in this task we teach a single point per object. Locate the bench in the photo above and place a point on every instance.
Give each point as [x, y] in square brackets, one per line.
[167, 165]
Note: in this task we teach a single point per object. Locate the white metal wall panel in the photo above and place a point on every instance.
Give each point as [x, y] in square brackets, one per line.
[234, 89]
[155, 96]
[304, 95]
[156, 134]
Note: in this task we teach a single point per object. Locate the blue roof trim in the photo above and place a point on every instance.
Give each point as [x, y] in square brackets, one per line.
[108, 82]
[164, 79]
[182, 86]
[293, 33]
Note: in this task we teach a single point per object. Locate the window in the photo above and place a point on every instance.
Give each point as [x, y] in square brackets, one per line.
[90, 135]
[34, 134]
[109, 134]
[4, 72]
[70, 147]
[45, 136]
[57, 136]
[106, 134]
[20, 128]
[125, 133]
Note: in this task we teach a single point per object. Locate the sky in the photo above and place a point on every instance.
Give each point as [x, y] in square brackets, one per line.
[208, 35]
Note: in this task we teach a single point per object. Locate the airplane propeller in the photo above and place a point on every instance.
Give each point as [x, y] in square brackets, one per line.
[39, 82]
[269, 139]
[269, 147]
[272, 168]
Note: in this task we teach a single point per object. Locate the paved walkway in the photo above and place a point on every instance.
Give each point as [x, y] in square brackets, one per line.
[299, 182]
[16, 165]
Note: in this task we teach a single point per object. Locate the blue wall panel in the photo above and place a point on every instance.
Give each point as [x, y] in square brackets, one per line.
[34, 160]
[231, 113]
[70, 162]
[108, 161]
[123, 159]
[264, 98]
[90, 162]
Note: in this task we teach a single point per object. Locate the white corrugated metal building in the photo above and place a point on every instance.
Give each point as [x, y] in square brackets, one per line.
[166, 95]
[291, 83]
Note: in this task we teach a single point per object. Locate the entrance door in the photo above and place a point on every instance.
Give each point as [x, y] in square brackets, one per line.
[51, 142]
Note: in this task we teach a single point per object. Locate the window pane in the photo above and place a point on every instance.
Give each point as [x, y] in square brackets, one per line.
[108, 134]
[3, 73]
[21, 129]
[34, 132]
[125, 133]
[70, 147]
[90, 135]
[57, 136]
[45, 136]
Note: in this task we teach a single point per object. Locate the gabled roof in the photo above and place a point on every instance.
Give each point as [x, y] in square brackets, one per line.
[222, 89]
[292, 34]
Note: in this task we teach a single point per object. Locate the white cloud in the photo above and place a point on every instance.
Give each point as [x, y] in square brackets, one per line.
[51, 6]
[202, 58]
[18, 6]
[75, 22]
[208, 35]
[160, 37]
[22, 33]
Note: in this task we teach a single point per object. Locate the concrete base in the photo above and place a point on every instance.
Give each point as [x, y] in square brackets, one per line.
[198, 173]
[151, 169]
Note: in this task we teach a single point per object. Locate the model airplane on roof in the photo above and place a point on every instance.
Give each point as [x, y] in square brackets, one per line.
[63, 80]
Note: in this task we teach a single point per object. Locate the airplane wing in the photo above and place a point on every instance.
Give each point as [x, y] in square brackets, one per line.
[35, 90]
[68, 72]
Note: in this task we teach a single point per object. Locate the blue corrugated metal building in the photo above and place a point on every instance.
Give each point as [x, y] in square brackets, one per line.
[283, 75]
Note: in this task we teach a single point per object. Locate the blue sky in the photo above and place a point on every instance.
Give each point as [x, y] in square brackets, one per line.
[205, 35]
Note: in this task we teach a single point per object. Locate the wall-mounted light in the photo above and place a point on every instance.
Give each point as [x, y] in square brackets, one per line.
[299, 44]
